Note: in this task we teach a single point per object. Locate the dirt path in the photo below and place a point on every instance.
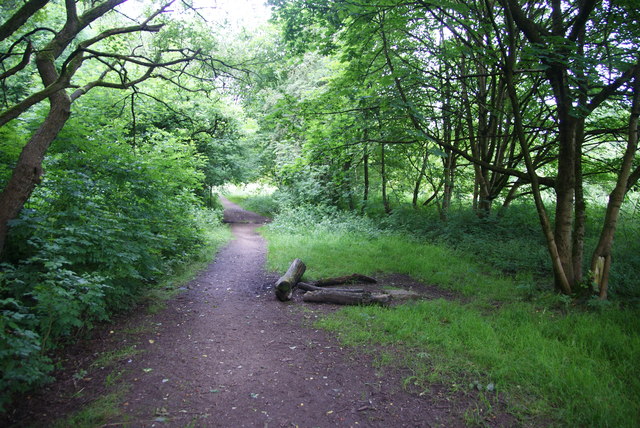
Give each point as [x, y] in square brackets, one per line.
[226, 353]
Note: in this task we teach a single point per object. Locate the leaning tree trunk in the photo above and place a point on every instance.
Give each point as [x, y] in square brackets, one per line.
[601, 260]
[28, 170]
[552, 247]
[423, 169]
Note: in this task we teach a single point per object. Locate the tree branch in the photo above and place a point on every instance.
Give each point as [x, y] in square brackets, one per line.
[611, 88]
[26, 56]
[19, 18]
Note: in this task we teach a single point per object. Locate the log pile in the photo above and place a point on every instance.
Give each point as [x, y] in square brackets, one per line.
[322, 291]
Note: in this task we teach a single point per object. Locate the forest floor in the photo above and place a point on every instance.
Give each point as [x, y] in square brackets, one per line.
[225, 353]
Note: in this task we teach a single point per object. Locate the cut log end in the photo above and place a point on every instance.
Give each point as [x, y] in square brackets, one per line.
[285, 285]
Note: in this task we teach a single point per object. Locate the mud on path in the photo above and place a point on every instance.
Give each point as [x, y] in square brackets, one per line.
[226, 353]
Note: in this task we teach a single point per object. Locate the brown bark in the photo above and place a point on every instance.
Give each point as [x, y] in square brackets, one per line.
[552, 246]
[347, 279]
[511, 196]
[580, 224]
[285, 285]
[580, 208]
[566, 179]
[601, 259]
[383, 178]
[28, 169]
[21, 16]
[346, 298]
[308, 287]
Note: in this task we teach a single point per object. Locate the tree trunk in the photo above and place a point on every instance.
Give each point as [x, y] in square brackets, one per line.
[580, 208]
[308, 287]
[346, 298]
[346, 184]
[423, 168]
[552, 247]
[450, 164]
[383, 174]
[565, 181]
[601, 259]
[285, 285]
[28, 170]
[509, 198]
[347, 279]
[365, 164]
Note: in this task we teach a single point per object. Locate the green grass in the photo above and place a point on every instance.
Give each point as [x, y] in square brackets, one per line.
[96, 413]
[334, 253]
[555, 363]
[262, 204]
[579, 368]
[109, 358]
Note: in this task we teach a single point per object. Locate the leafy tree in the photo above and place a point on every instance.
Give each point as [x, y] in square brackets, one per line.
[74, 48]
[517, 90]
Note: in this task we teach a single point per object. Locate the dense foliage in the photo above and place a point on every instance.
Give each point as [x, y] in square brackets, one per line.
[107, 221]
[475, 103]
[122, 203]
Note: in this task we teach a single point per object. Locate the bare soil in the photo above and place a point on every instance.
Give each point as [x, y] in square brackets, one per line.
[226, 353]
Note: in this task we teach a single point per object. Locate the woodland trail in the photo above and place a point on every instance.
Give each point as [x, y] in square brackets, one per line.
[226, 353]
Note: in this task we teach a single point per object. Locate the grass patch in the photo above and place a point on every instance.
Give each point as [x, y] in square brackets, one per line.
[259, 198]
[578, 368]
[111, 357]
[552, 361]
[264, 205]
[328, 253]
[96, 413]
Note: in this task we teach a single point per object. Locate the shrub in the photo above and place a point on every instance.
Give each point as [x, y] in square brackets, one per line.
[105, 223]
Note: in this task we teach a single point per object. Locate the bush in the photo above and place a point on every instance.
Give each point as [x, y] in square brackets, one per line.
[105, 223]
[305, 219]
[22, 363]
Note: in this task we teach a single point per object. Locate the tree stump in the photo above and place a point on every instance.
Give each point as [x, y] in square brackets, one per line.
[285, 285]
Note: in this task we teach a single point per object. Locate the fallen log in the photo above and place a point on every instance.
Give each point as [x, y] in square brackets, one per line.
[308, 287]
[348, 279]
[346, 298]
[285, 285]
